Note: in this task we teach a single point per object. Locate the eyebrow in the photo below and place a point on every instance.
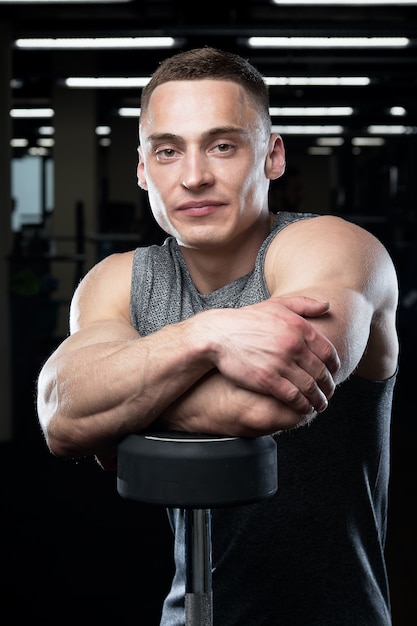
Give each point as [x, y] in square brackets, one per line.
[212, 132]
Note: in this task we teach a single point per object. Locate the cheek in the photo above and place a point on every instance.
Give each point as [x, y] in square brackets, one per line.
[158, 208]
[254, 185]
[156, 199]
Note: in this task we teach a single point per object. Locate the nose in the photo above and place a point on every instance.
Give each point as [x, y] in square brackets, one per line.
[196, 172]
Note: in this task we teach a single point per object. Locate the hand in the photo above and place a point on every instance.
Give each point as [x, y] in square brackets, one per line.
[217, 406]
[271, 348]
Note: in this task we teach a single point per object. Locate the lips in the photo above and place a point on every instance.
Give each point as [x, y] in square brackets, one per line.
[199, 205]
[200, 208]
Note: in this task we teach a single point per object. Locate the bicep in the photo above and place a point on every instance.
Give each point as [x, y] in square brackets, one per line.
[333, 260]
[347, 325]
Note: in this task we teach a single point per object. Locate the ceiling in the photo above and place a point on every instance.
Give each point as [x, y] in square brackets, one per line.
[225, 24]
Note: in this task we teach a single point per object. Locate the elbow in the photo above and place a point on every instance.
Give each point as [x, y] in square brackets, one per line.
[56, 443]
[68, 437]
[57, 446]
[63, 440]
[57, 429]
[59, 434]
[47, 418]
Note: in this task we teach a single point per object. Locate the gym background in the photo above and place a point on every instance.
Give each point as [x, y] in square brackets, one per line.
[72, 551]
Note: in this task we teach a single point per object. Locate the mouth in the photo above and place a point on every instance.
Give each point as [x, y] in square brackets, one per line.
[200, 207]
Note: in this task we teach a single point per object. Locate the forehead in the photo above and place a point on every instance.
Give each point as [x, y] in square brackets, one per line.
[206, 102]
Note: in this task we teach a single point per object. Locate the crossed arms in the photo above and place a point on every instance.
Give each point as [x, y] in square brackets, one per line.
[242, 372]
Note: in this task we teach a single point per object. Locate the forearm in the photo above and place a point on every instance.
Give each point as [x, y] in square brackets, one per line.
[105, 382]
[92, 394]
[215, 405]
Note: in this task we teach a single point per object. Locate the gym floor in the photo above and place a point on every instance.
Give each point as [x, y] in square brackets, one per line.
[75, 552]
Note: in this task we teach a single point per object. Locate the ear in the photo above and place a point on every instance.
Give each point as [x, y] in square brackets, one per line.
[140, 171]
[275, 160]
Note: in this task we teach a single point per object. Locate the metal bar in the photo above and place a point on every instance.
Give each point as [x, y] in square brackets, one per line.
[198, 591]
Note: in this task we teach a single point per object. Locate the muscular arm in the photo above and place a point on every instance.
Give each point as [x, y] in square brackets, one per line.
[328, 259]
[336, 260]
[105, 381]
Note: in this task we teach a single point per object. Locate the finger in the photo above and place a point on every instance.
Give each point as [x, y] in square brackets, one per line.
[299, 391]
[313, 376]
[324, 350]
[318, 343]
[325, 381]
[304, 305]
[314, 380]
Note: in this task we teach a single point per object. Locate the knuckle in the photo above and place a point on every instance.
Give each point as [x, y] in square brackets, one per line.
[310, 386]
[294, 396]
[293, 344]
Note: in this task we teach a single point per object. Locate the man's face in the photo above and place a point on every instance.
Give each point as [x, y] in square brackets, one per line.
[203, 152]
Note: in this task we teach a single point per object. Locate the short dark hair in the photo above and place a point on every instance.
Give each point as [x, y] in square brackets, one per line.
[211, 63]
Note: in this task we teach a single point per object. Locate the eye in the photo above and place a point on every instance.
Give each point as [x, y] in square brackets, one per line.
[224, 148]
[165, 154]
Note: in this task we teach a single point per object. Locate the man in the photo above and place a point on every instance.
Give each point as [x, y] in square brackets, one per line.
[243, 323]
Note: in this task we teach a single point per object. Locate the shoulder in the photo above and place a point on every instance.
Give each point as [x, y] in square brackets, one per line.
[112, 271]
[325, 238]
[331, 250]
[319, 229]
[104, 292]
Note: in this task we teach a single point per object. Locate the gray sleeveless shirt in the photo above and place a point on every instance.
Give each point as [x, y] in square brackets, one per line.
[313, 555]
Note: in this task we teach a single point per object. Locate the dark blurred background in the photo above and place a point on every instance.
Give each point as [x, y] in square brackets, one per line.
[72, 550]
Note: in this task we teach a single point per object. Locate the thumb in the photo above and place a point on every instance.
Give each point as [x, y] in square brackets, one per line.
[306, 306]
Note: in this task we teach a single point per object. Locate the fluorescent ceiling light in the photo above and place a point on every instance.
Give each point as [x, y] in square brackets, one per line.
[281, 81]
[38, 151]
[309, 111]
[103, 130]
[19, 143]
[106, 82]
[343, 2]
[317, 81]
[319, 151]
[328, 42]
[274, 111]
[67, 43]
[391, 130]
[46, 130]
[46, 142]
[330, 141]
[31, 113]
[368, 141]
[129, 112]
[63, 1]
[398, 111]
[308, 130]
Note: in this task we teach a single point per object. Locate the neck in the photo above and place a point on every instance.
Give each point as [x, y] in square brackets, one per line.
[214, 268]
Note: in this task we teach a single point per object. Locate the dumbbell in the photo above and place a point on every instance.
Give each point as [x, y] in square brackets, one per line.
[197, 472]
